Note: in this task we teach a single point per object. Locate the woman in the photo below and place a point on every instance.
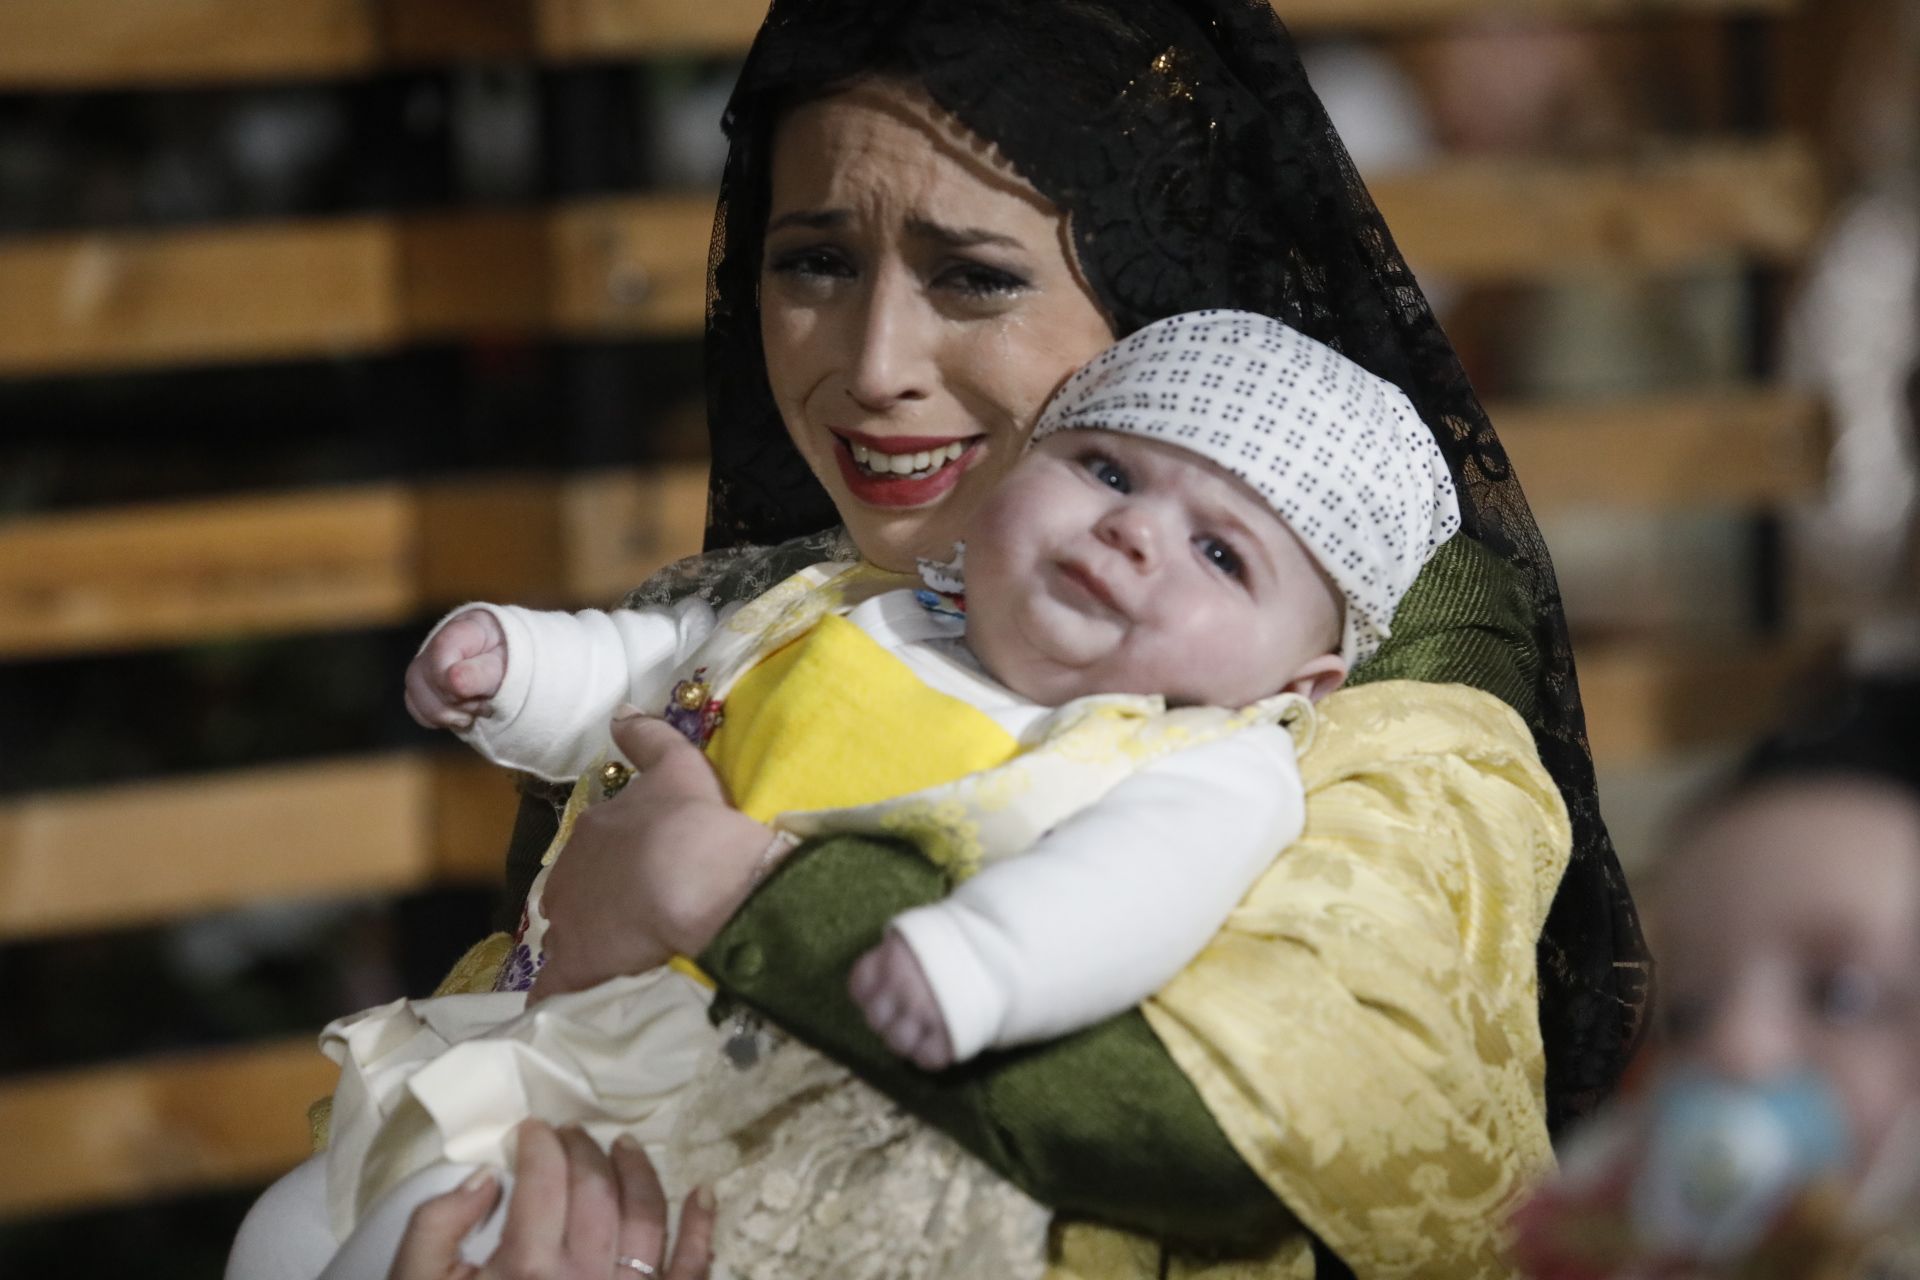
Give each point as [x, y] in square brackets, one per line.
[931, 214]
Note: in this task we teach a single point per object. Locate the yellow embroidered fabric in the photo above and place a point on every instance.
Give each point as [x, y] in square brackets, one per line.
[834, 720]
[1364, 1028]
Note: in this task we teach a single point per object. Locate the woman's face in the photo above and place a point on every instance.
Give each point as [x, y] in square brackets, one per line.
[918, 303]
[1789, 938]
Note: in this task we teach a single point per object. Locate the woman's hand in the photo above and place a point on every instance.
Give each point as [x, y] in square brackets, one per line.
[652, 873]
[576, 1214]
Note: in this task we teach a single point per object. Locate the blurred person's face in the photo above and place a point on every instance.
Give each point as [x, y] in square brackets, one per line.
[1788, 935]
[918, 305]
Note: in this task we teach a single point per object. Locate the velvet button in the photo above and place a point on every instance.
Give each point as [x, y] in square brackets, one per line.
[745, 960]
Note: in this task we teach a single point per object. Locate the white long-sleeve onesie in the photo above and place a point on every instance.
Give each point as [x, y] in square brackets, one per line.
[1098, 915]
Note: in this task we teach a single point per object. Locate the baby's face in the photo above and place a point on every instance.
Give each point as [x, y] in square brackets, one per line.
[1110, 563]
[1788, 936]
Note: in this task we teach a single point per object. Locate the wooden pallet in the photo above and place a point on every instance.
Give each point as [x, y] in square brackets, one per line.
[636, 266]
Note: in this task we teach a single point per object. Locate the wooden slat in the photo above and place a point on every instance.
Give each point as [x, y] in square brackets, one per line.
[1647, 699]
[159, 574]
[172, 573]
[88, 43]
[167, 42]
[643, 28]
[1504, 219]
[623, 525]
[111, 857]
[87, 302]
[1739, 446]
[631, 266]
[134, 1131]
[112, 44]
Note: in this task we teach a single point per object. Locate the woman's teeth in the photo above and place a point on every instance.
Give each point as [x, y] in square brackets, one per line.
[906, 464]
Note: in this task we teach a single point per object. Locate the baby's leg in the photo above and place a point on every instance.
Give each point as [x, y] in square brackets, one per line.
[286, 1235]
[368, 1252]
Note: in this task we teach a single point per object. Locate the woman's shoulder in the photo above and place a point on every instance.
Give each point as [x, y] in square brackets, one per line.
[740, 573]
[1467, 619]
[1402, 723]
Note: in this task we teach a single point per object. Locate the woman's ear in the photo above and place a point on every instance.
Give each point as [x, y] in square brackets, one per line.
[1319, 677]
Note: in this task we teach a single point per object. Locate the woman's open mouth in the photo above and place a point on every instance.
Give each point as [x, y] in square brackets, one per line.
[906, 471]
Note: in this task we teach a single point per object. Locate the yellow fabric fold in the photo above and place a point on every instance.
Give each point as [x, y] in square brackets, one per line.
[1365, 1027]
[833, 720]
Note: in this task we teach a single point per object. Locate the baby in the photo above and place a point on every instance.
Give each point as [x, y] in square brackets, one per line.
[1093, 730]
[1781, 1134]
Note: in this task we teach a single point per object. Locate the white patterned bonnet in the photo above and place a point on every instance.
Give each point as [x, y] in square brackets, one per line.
[1339, 453]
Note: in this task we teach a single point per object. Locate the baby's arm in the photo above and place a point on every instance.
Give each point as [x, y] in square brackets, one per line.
[1098, 916]
[535, 691]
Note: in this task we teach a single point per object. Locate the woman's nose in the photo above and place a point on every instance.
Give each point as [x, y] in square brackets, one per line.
[1130, 529]
[893, 358]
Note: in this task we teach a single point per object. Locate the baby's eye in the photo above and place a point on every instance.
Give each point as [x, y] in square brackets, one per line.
[1845, 995]
[1686, 1017]
[1107, 472]
[1221, 556]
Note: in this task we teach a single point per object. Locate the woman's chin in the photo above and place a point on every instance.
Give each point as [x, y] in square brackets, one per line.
[898, 540]
[896, 537]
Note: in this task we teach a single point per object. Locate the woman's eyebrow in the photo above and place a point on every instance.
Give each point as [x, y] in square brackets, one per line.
[958, 237]
[810, 219]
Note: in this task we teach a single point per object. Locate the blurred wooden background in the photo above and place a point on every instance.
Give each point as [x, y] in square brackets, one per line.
[585, 275]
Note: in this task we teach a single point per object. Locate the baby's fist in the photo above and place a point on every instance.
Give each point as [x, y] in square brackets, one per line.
[892, 990]
[453, 679]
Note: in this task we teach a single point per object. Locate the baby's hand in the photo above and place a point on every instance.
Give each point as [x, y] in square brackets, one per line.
[452, 680]
[892, 990]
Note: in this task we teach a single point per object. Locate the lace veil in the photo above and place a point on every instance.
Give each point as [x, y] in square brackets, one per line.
[1198, 169]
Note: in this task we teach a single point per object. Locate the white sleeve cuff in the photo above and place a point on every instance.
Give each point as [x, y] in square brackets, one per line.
[971, 1001]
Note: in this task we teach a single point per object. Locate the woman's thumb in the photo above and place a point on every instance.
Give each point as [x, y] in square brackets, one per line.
[651, 745]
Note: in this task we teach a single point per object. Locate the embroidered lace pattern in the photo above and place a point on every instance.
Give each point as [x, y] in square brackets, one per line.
[818, 1176]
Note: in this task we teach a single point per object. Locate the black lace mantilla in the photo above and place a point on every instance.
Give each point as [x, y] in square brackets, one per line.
[1198, 169]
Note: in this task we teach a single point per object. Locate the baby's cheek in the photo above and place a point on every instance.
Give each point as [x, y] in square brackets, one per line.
[1877, 1075]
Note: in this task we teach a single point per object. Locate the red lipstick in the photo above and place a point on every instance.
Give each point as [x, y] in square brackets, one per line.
[901, 491]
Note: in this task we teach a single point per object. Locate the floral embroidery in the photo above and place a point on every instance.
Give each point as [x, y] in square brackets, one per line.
[693, 710]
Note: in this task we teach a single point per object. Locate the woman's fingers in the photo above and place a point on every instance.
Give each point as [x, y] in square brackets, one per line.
[430, 1249]
[693, 1247]
[643, 1204]
[537, 1211]
[593, 1207]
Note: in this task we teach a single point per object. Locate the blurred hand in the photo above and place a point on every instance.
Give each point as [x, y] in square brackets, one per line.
[652, 873]
[453, 679]
[574, 1211]
[892, 990]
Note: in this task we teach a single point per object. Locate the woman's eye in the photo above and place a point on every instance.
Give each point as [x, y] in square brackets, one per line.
[977, 280]
[1107, 472]
[810, 263]
[1222, 556]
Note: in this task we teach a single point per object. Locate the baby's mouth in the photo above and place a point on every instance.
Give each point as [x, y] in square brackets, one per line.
[914, 465]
